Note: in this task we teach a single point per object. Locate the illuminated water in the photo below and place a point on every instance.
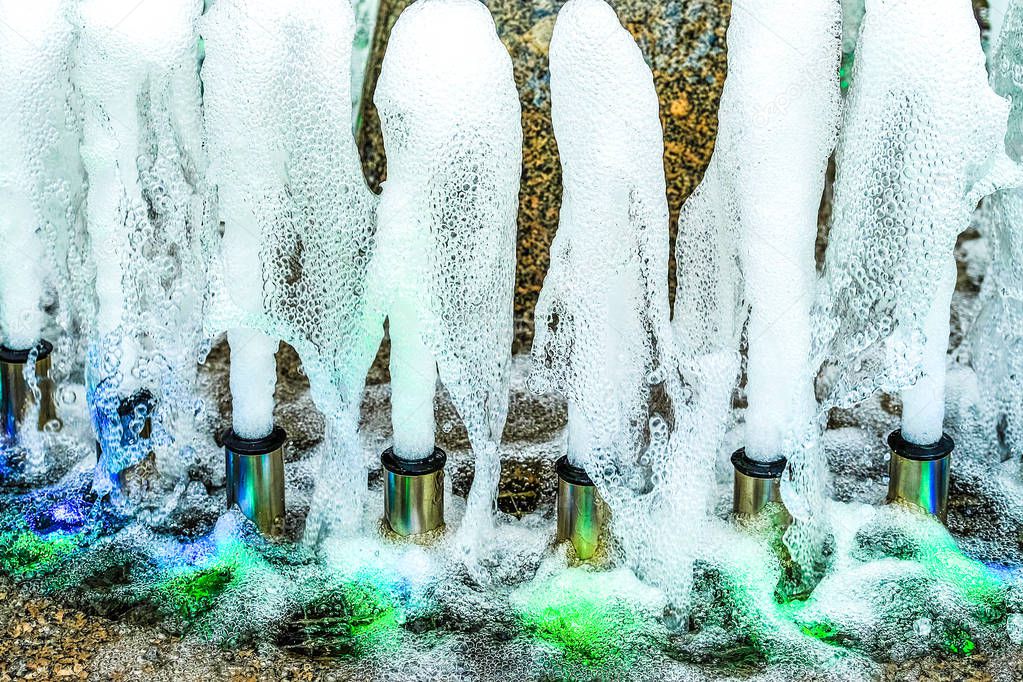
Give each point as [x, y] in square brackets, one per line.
[138, 290]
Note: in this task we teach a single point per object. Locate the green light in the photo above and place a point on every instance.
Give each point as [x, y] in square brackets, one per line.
[959, 643]
[593, 618]
[25, 554]
[194, 593]
[845, 73]
[349, 620]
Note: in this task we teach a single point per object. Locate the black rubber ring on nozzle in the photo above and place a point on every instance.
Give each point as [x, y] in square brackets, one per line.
[20, 357]
[414, 467]
[920, 453]
[570, 473]
[254, 446]
[754, 469]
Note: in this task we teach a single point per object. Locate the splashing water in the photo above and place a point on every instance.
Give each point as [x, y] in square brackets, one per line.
[898, 206]
[684, 591]
[298, 218]
[778, 125]
[149, 238]
[604, 338]
[996, 337]
[444, 270]
[40, 191]
[34, 46]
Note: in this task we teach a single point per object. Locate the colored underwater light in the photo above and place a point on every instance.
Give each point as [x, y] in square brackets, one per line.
[193, 593]
[594, 618]
[25, 553]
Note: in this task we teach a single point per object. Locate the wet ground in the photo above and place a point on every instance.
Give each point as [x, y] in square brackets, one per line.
[50, 634]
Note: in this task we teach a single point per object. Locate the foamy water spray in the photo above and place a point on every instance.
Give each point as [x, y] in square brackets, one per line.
[33, 43]
[444, 273]
[242, 140]
[136, 70]
[603, 325]
[778, 126]
[298, 225]
[996, 338]
[36, 193]
[916, 155]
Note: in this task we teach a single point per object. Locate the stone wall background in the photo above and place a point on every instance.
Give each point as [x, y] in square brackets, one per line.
[684, 44]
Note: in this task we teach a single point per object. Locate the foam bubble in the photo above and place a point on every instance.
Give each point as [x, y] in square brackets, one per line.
[445, 266]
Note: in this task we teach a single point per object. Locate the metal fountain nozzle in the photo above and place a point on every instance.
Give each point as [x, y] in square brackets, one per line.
[414, 492]
[581, 511]
[757, 484]
[255, 478]
[16, 398]
[919, 474]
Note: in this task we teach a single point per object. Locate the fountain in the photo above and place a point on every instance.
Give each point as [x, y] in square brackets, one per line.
[603, 309]
[746, 259]
[443, 273]
[34, 44]
[690, 496]
[995, 336]
[241, 137]
[890, 270]
[773, 156]
[142, 153]
[298, 230]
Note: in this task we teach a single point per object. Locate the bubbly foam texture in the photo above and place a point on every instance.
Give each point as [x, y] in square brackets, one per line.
[445, 265]
[149, 239]
[745, 248]
[299, 219]
[775, 152]
[915, 156]
[603, 336]
[39, 176]
[604, 301]
[996, 338]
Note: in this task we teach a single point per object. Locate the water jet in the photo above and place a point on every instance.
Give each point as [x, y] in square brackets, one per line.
[889, 327]
[760, 200]
[444, 269]
[603, 336]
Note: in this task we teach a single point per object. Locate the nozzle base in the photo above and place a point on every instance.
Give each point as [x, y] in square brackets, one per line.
[757, 484]
[16, 397]
[255, 478]
[581, 511]
[414, 492]
[918, 475]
